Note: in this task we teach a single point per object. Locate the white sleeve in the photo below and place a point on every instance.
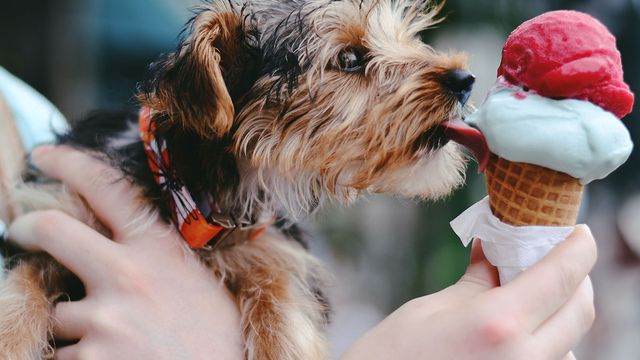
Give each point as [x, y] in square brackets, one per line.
[36, 118]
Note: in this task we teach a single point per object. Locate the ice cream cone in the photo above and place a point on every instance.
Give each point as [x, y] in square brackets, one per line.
[548, 110]
[524, 194]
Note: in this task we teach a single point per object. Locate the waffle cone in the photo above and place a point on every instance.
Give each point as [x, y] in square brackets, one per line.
[524, 194]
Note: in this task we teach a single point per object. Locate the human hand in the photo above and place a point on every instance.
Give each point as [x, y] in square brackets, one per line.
[147, 296]
[542, 314]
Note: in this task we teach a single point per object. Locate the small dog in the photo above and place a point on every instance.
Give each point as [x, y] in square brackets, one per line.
[266, 110]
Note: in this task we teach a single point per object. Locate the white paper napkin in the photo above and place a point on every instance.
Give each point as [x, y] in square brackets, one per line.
[512, 249]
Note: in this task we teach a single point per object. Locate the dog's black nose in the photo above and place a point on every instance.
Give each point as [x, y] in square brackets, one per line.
[460, 83]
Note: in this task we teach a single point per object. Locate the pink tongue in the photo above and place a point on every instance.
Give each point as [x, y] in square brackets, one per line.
[469, 137]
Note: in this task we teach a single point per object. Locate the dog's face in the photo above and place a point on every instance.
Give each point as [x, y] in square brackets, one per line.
[333, 97]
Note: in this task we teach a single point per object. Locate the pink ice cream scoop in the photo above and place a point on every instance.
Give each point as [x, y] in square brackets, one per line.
[568, 54]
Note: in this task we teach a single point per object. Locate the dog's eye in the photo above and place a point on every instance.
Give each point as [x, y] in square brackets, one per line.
[351, 60]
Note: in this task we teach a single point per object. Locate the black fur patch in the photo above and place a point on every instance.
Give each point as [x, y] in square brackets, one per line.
[98, 130]
[205, 166]
[280, 57]
[240, 70]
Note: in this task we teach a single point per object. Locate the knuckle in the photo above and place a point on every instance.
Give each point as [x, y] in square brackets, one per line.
[498, 329]
[569, 278]
[88, 352]
[104, 176]
[587, 312]
[475, 281]
[106, 319]
[413, 304]
[415, 311]
[126, 275]
[130, 279]
[414, 314]
[47, 221]
[102, 179]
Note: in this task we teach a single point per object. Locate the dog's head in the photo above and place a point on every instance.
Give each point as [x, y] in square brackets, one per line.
[320, 98]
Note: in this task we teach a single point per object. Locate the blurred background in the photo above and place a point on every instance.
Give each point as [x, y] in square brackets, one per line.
[382, 252]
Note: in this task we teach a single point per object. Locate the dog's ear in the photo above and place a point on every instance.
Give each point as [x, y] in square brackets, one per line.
[193, 86]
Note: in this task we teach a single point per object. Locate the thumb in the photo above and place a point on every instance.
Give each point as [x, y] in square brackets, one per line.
[480, 272]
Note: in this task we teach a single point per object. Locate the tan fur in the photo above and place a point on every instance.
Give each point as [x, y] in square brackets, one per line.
[335, 133]
[24, 316]
[271, 278]
[346, 130]
[211, 115]
[27, 292]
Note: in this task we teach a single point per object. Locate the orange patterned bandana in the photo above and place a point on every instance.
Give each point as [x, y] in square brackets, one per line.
[193, 225]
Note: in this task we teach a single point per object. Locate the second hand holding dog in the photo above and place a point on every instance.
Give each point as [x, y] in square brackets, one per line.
[147, 298]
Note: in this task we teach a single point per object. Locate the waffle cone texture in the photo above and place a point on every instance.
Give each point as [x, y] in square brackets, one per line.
[525, 194]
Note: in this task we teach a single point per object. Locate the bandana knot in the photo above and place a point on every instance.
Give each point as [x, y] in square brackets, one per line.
[193, 216]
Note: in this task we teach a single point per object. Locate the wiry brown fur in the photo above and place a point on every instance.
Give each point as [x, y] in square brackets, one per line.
[35, 281]
[261, 111]
[198, 67]
[25, 312]
[271, 282]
